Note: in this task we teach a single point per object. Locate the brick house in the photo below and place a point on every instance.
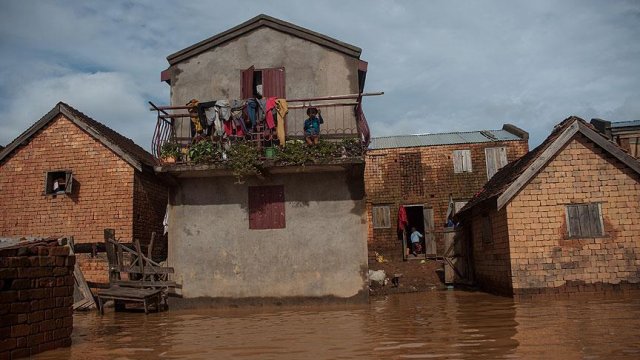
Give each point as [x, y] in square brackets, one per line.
[563, 218]
[424, 173]
[293, 231]
[624, 133]
[68, 174]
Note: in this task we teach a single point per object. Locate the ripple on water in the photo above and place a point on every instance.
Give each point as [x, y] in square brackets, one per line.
[430, 325]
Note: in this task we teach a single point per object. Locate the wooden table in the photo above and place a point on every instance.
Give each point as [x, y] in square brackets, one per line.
[145, 296]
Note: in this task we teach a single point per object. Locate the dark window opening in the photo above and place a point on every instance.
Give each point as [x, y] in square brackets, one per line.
[257, 84]
[262, 83]
[266, 207]
[58, 182]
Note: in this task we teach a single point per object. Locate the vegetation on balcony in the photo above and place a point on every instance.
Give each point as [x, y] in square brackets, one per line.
[244, 158]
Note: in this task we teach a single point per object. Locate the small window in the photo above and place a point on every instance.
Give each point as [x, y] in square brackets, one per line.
[58, 182]
[584, 220]
[496, 159]
[266, 207]
[381, 217]
[487, 231]
[457, 205]
[461, 161]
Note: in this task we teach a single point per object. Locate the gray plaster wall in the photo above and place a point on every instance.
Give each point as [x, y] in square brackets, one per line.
[311, 70]
[322, 252]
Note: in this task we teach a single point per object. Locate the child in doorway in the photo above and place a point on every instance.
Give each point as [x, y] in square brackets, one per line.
[312, 126]
[415, 241]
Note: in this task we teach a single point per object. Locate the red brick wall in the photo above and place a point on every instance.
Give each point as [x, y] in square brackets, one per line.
[542, 256]
[149, 206]
[384, 177]
[102, 189]
[36, 298]
[491, 261]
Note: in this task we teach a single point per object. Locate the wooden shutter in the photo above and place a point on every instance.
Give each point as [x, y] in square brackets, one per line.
[273, 84]
[496, 158]
[573, 221]
[68, 187]
[381, 217]
[461, 161]
[246, 83]
[266, 207]
[595, 216]
[458, 205]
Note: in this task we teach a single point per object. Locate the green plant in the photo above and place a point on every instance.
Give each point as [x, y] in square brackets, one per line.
[244, 159]
[203, 151]
[170, 149]
[352, 147]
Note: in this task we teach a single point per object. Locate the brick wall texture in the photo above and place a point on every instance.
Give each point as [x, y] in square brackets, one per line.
[541, 257]
[424, 176]
[36, 299]
[107, 191]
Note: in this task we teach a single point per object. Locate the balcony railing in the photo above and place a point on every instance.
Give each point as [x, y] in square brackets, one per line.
[344, 133]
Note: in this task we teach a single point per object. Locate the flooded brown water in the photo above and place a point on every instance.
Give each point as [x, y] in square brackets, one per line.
[433, 325]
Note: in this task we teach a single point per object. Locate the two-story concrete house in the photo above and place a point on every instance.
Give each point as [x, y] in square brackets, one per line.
[294, 231]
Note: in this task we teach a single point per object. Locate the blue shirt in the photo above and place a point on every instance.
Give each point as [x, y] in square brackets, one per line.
[415, 236]
[312, 125]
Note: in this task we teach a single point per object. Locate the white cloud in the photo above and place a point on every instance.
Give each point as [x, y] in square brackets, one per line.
[444, 66]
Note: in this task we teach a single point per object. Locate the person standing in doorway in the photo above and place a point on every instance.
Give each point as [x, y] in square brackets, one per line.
[415, 241]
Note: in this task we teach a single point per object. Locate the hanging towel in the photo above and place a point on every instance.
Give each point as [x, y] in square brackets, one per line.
[271, 105]
[237, 108]
[403, 221]
[282, 108]
[252, 108]
[196, 126]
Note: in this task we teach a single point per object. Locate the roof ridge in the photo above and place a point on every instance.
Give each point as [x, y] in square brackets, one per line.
[441, 133]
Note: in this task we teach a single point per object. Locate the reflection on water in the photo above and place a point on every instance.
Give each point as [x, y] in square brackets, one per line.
[432, 325]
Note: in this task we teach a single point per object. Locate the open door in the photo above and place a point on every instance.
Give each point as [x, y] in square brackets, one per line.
[246, 85]
[429, 236]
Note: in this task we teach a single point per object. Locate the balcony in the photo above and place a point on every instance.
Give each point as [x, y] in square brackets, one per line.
[180, 146]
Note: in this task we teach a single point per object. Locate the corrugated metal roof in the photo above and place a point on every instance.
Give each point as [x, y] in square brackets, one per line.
[619, 124]
[388, 142]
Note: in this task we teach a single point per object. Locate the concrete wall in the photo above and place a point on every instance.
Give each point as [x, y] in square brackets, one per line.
[384, 184]
[542, 255]
[322, 252]
[311, 70]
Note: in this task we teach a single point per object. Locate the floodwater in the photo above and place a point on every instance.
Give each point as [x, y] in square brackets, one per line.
[432, 325]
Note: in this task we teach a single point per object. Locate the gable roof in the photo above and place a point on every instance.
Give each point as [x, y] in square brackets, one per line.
[124, 147]
[509, 180]
[257, 22]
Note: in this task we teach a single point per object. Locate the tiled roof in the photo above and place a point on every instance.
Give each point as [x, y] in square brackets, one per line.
[400, 141]
[121, 145]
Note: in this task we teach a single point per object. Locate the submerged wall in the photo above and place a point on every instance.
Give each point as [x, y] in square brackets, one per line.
[322, 251]
[36, 298]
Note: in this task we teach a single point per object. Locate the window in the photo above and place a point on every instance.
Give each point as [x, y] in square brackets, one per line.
[267, 82]
[381, 217]
[411, 175]
[487, 231]
[58, 182]
[457, 205]
[584, 220]
[496, 158]
[461, 161]
[266, 207]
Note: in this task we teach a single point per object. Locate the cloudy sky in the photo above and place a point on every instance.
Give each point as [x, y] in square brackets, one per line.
[443, 65]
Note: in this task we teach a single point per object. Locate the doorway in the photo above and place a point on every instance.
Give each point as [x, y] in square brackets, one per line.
[415, 217]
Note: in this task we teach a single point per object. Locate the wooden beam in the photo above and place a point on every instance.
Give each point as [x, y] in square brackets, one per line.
[537, 165]
[610, 147]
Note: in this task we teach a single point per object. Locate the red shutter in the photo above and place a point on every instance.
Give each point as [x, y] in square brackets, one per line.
[246, 83]
[266, 207]
[273, 84]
